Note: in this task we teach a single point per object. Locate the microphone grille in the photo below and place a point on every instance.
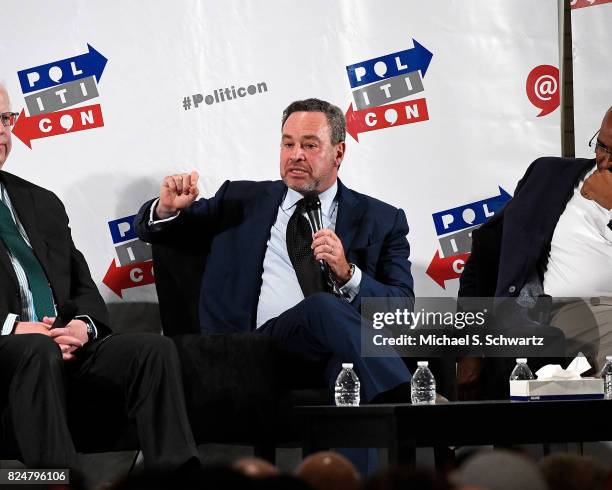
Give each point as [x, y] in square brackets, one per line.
[311, 201]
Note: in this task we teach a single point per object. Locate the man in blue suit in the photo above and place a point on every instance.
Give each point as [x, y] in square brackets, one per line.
[553, 238]
[263, 269]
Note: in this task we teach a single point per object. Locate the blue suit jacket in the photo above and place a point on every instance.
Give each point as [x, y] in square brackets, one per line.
[513, 246]
[234, 227]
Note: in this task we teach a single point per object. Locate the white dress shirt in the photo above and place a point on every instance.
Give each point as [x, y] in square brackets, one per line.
[580, 258]
[280, 289]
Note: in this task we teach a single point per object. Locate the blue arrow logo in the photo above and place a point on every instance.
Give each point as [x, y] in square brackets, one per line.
[390, 65]
[122, 229]
[59, 72]
[469, 215]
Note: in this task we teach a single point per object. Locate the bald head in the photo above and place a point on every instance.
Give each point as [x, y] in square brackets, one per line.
[604, 139]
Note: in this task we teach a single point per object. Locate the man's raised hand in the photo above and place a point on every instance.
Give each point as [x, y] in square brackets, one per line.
[177, 192]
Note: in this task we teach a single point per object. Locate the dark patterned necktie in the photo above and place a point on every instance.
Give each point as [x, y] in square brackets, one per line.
[37, 280]
[299, 239]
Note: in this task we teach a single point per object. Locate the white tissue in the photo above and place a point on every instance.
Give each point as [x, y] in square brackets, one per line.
[554, 371]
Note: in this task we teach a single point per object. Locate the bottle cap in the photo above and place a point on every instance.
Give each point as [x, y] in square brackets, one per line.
[347, 364]
[423, 363]
[522, 360]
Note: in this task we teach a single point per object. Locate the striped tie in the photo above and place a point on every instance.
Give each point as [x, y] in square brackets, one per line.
[37, 280]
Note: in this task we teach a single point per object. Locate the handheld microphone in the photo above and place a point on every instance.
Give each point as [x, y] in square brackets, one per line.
[65, 313]
[312, 206]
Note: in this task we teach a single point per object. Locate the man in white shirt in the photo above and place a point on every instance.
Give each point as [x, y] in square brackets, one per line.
[553, 238]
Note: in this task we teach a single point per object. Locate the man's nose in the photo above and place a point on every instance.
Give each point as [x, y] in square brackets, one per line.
[298, 153]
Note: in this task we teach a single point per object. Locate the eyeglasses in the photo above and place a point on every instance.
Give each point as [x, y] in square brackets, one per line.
[597, 144]
[8, 118]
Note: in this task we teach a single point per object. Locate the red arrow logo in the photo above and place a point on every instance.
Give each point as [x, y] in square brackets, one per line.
[385, 116]
[578, 4]
[443, 269]
[60, 122]
[128, 276]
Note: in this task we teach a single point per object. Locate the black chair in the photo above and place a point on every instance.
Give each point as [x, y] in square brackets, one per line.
[239, 387]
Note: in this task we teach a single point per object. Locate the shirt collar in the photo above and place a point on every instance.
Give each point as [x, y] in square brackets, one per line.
[327, 199]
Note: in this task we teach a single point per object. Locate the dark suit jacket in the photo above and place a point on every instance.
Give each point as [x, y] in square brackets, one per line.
[511, 251]
[234, 227]
[514, 244]
[44, 219]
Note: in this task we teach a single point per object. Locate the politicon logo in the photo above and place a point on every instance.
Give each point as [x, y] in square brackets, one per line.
[50, 89]
[381, 85]
[133, 266]
[454, 228]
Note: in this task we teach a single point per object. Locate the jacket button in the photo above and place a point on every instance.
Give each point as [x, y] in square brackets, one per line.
[511, 289]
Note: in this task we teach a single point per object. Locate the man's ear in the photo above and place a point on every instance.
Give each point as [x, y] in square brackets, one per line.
[340, 149]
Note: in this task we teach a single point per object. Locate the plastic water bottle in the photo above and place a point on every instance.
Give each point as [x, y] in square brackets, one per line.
[423, 385]
[521, 371]
[606, 374]
[347, 387]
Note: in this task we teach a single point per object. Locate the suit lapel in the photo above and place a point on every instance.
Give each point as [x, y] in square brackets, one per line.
[263, 215]
[542, 224]
[575, 176]
[5, 261]
[350, 212]
[25, 209]
[527, 234]
[265, 209]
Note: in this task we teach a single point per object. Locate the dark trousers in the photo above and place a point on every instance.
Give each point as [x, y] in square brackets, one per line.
[122, 381]
[324, 326]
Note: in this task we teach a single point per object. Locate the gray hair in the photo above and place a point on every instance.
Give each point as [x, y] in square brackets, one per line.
[335, 117]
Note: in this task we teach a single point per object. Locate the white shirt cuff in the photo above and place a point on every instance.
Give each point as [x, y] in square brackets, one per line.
[153, 221]
[351, 288]
[9, 324]
[91, 322]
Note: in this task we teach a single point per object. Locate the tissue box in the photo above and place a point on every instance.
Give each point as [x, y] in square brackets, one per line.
[557, 389]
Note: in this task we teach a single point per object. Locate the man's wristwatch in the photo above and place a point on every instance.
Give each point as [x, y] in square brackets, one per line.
[91, 331]
[351, 272]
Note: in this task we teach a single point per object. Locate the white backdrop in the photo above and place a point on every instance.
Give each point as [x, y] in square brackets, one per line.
[591, 37]
[482, 130]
